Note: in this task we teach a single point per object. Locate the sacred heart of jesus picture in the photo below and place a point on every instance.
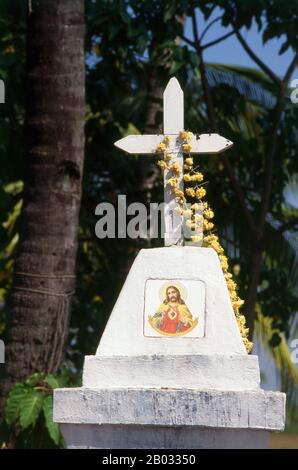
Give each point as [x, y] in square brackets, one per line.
[174, 307]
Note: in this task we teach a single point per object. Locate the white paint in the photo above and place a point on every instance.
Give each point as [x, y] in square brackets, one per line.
[171, 407]
[105, 436]
[218, 372]
[141, 144]
[173, 120]
[209, 143]
[124, 336]
[173, 106]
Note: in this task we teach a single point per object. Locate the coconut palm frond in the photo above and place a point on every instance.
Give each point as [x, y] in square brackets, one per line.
[248, 82]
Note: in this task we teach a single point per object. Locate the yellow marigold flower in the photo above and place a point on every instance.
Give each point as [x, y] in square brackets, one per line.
[183, 135]
[172, 182]
[178, 192]
[168, 156]
[168, 139]
[224, 262]
[191, 224]
[190, 192]
[198, 217]
[211, 238]
[248, 344]
[216, 247]
[187, 178]
[161, 147]
[196, 238]
[231, 285]
[188, 136]
[176, 167]
[187, 167]
[189, 161]
[208, 225]
[200, 192]
[198, 177]
[233, 295]
[162, 164]
[209, 214]
[228, 276]
[186, 147]
[181, 201]
[195, 206]
[238, 303]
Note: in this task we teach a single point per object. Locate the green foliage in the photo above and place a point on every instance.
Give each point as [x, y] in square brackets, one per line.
[12, 72]
[29, 411]
[13, 406]
[11, 204]
[274, 18]
[31, 406]
[52, 427]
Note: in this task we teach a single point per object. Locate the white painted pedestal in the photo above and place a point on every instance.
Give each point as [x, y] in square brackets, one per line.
[170, 392]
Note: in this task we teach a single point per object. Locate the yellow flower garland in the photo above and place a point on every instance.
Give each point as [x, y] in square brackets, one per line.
[210, 240]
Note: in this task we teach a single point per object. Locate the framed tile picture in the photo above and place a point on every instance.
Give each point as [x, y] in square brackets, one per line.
[174, 307]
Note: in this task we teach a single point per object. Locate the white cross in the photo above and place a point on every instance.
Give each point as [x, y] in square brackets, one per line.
[173, 123]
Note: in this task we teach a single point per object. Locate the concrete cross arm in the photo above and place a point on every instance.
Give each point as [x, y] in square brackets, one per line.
[139, 143]
[209, 143]
[146, 144]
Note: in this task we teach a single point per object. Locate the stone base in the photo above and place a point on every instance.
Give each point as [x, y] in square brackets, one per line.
[146, 391]
[106, 436]
[217, 372]
[167, 418]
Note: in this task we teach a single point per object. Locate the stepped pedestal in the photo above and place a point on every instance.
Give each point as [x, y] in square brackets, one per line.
[166, 376]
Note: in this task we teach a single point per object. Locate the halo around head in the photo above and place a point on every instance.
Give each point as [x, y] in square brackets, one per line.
[178, 284]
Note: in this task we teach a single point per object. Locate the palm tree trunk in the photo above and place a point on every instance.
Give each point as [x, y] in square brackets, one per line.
[44, 278]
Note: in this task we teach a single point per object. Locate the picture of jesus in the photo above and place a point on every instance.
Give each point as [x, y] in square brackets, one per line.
[173, 317]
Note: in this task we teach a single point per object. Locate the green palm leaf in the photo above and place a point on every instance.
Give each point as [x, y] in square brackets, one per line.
[251, 83]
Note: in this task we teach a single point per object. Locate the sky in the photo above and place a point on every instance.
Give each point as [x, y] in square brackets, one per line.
[231, 52]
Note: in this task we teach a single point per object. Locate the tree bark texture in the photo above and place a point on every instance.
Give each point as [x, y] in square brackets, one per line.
[44, 278]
